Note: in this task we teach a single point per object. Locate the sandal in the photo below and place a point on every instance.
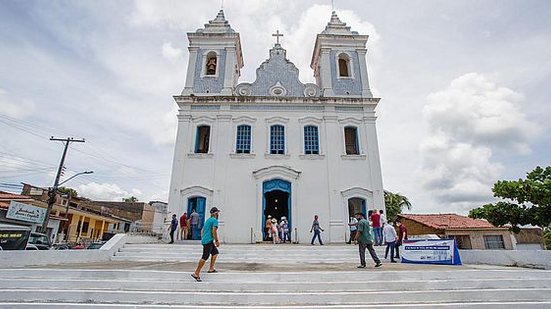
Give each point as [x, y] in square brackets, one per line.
[198, 279]
[212, 271]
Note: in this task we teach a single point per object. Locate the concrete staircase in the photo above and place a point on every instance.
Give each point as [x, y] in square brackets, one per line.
[266, 276]
[263, 253]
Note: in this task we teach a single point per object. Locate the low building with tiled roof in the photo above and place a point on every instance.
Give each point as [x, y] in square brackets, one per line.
[470, 233]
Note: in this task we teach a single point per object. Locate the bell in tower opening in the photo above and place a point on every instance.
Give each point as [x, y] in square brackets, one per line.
[211, 64]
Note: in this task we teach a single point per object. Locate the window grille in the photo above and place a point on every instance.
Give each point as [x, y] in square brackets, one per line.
[494, 242]
[277, 139]
[243, 143]
[311, 140]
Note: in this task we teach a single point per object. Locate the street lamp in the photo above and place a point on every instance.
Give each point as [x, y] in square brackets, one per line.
[75, 175]
[52, 195]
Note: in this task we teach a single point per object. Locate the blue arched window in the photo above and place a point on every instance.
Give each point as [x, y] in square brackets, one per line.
[311, 140]
[277, 139]
[243, 142]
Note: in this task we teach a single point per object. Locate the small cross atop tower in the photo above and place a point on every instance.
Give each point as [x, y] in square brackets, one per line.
[277, 35]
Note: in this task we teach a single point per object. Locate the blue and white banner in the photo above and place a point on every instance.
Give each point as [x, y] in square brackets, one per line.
[430, 251]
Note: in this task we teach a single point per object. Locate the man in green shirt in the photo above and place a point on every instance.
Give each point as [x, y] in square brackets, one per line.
[365, 241]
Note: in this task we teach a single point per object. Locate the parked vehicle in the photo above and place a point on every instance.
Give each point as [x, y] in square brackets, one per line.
[61, 247]
[95, 245]
[14, 237]
[41, 241]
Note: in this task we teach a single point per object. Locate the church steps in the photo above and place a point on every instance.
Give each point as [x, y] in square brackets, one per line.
[295, 298]
[459, 305]
[184, 285]
[439, 273]
[140, 277]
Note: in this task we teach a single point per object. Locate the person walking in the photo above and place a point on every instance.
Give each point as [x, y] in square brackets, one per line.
[364, 241]
[317, 230]
[173, 228]
[353, 225]
[194, 220]
[183, 226]
[210, 242]
[402, 235]
[389, 238]
[376, 222]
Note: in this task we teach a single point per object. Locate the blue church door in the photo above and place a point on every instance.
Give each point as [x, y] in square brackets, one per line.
[198, 204]
[276, 202]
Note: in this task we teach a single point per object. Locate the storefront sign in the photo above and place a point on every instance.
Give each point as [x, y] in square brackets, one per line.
[24, 212]
[430, 251]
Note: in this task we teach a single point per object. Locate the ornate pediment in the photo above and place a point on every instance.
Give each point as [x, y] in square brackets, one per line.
[277, 77]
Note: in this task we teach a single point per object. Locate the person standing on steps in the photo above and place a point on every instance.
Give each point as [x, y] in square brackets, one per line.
[376, 223]
[364, 241]
[284, 226]
[183, 226]
[173, 228]
[275, 231]
[194, 220]
[210, 242]
[353, 227]
[317, 230]
[389, 238]
[402, 235]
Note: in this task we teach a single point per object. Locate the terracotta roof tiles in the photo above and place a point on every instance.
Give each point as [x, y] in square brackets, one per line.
[12, 196]
[448, 221]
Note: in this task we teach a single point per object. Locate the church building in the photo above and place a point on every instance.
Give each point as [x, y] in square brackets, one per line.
[276, 146]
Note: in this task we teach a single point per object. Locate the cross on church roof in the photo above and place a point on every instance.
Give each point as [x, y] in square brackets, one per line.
[277, 35]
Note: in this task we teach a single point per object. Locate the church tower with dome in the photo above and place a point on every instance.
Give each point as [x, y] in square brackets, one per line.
[276, 147]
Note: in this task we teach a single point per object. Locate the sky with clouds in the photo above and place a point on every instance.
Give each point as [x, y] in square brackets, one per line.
[464, 87]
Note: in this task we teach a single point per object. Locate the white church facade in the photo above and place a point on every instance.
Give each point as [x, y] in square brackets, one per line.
[276, 146]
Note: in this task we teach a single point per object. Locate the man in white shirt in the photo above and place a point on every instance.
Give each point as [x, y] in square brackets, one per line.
[382, 217]
[389, 237]
[353, 228]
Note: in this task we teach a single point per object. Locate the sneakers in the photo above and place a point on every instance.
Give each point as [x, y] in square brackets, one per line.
[379, 264]
[361, 266]
[393, 261]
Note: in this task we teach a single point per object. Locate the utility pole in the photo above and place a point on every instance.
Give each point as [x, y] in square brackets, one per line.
[53, 191]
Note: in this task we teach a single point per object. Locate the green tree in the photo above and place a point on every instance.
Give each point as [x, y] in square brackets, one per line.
[525, 201]
[395, 203]
[547, 237]
[131, 199]
[65, 190]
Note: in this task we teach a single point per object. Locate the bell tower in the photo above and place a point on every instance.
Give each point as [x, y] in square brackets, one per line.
[215, 59]
[339, 61]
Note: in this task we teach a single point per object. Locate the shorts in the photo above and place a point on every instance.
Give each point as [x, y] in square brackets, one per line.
[209, 249]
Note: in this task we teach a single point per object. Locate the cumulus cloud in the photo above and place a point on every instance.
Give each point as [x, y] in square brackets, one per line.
[477, 111]
[15, 108]
[106, 192]
[170, 52]
[467, 122]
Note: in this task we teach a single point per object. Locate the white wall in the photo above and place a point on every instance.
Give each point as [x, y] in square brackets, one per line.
[523, 258]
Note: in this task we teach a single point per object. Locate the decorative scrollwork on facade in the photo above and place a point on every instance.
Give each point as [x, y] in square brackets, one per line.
[243, 89]
[311, 90]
